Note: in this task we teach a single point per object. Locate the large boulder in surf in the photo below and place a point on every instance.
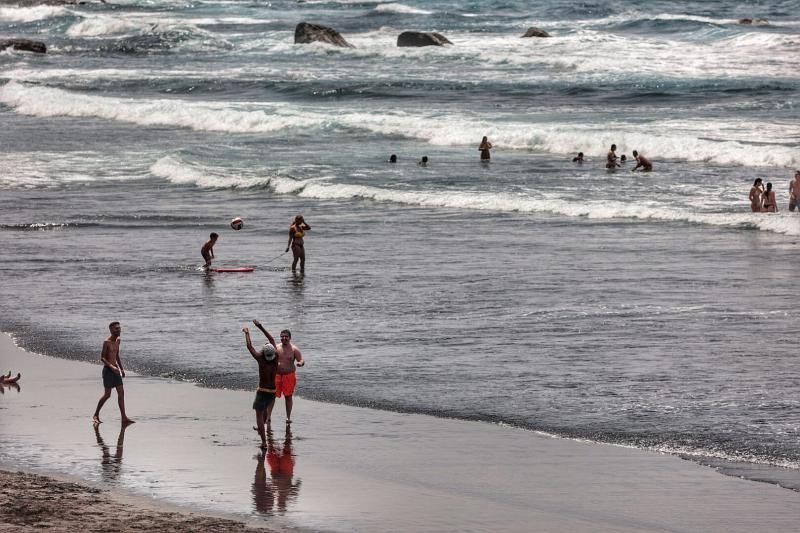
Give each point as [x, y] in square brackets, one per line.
[536, 32]
[422, 38]
[25, 45]
[308, 33]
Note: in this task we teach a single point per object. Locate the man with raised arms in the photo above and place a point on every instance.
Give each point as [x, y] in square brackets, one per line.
[112, 373]
[642, 161]
[286, 380]
[794, 192]
[267, 368]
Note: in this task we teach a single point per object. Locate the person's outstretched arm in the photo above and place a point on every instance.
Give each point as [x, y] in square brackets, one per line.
[247, 340]
[265, 332]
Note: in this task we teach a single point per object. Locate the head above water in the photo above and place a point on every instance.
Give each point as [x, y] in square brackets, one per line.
[757, 182]
[393, 158]
[635, 153]
[286, 335]
[115, 328]
[613, 147]
[769, 186]
[213, 236]
[299, 219]
[424, 158]
[485, 138]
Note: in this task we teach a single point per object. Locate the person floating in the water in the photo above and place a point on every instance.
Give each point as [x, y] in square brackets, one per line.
[578, 158]
[297, 231]
[207, 251]
[423, 162]
[393, 158]
[113, 372]
[484, 148]
[642, 161]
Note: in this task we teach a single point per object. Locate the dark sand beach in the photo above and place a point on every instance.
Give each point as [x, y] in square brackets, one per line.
[343, 468]
[29, 502]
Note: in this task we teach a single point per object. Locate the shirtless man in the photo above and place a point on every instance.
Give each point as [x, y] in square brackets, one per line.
[267, 368]
[207, 251]
[286, 379]
[8, 380]
[611, 157]
[642, 161]
[112, 373]
[794, 192]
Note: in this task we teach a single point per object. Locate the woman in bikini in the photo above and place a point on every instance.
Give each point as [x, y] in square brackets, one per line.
[484, 149]
[296, 233]
[770, 206]
[755, 195]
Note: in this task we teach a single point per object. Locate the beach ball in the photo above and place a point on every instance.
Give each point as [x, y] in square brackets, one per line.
[237, 223]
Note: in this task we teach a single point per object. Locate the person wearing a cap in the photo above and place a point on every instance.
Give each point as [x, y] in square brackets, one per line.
[794, 192]
[267, 361]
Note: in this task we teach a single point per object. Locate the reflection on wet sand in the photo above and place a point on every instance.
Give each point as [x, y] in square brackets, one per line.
[275, 495]
[110, 465]
[14, 386]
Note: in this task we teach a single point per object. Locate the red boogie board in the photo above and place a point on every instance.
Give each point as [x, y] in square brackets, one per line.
[243, 269]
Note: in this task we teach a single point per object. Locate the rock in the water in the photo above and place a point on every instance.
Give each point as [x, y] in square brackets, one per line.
[757, 22]
[421, 38]
[536, 32]
[309, 33]
[25, 45]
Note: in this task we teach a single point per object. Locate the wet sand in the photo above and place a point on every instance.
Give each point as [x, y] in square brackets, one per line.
[29, 502]
[344, 468]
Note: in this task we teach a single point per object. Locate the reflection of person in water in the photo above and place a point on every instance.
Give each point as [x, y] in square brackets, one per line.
[281, 466]
[110, 464]
[263, 496]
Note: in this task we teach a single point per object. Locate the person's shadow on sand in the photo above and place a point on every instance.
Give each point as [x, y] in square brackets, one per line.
[282, 490]
[110, 465]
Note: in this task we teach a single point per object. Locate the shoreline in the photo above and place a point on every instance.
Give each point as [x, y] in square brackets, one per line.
[343, 468]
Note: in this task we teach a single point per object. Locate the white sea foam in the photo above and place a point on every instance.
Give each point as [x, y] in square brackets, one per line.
[400, 8]
[30, 14]
[691, 140]
[177, 171]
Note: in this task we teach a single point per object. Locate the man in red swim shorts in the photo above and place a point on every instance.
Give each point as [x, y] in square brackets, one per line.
[286, 379]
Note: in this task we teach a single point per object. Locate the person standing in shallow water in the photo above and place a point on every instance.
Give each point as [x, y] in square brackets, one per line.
[296, 233]
[112, 373]
[755, 195]
[768, 198]
[611, 158]
[484, 148]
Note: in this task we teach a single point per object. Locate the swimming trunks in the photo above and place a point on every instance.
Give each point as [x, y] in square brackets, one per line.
[206, 256]
[794, 203]
[285, 384]
[110, 378]
[263, 399]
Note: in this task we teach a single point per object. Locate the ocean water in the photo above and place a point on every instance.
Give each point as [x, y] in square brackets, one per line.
[650, 310]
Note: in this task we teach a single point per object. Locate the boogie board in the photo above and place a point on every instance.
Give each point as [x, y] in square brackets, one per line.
[243, 269]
